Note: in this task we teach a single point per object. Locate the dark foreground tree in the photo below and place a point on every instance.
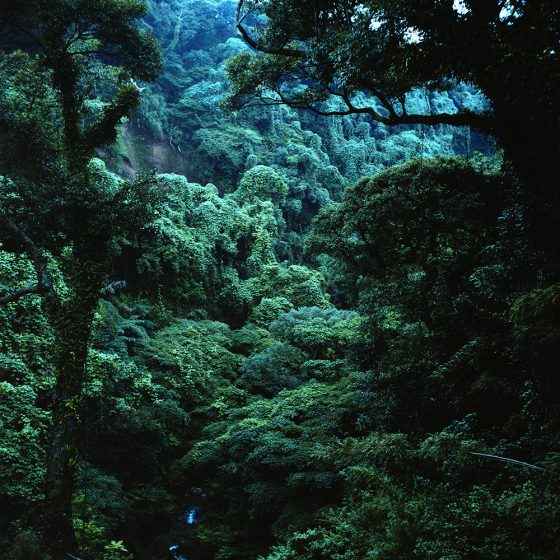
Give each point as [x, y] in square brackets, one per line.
[313, 53]
[67, 70]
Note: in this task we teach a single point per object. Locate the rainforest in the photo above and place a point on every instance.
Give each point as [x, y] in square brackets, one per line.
[279, 280]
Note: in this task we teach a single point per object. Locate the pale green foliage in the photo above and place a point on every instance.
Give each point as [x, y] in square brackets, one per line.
[135, 398]
[268, 310]
[120, 327]
[300, 285]
[201, 242]
[538, 309]
[311, 344]
[106, 184]
[275, 368]
[264, 233]
[262, 183]
[116, 550]
[195, 358]
[324, 333]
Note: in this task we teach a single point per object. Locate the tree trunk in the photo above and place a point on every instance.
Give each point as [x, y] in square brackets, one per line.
[72, 318]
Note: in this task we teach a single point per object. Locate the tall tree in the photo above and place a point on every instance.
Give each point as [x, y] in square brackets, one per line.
[82, 59]
[311, 52]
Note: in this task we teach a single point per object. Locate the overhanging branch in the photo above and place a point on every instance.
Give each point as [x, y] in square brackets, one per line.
[483, 122]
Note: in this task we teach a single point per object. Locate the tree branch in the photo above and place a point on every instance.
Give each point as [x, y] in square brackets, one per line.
[281, 51]
[29, 35]
[43, 284]
[367, 84]
[507, 460]
[484, 122]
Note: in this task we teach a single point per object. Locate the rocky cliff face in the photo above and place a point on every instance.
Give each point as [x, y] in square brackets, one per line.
[138, 151]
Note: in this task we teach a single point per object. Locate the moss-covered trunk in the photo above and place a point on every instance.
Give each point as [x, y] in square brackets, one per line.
[72, 317]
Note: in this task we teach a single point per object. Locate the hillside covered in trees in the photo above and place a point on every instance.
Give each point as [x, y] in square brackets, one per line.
[279, 280]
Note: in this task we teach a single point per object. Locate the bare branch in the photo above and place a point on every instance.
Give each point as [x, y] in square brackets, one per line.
[507, 460]
[43, 284]
[18, 294]
[96, 52]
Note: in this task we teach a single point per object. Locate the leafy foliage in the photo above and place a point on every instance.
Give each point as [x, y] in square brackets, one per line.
[297, 338]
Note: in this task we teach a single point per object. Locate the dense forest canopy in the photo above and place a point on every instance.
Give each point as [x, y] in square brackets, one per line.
[279, 280]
